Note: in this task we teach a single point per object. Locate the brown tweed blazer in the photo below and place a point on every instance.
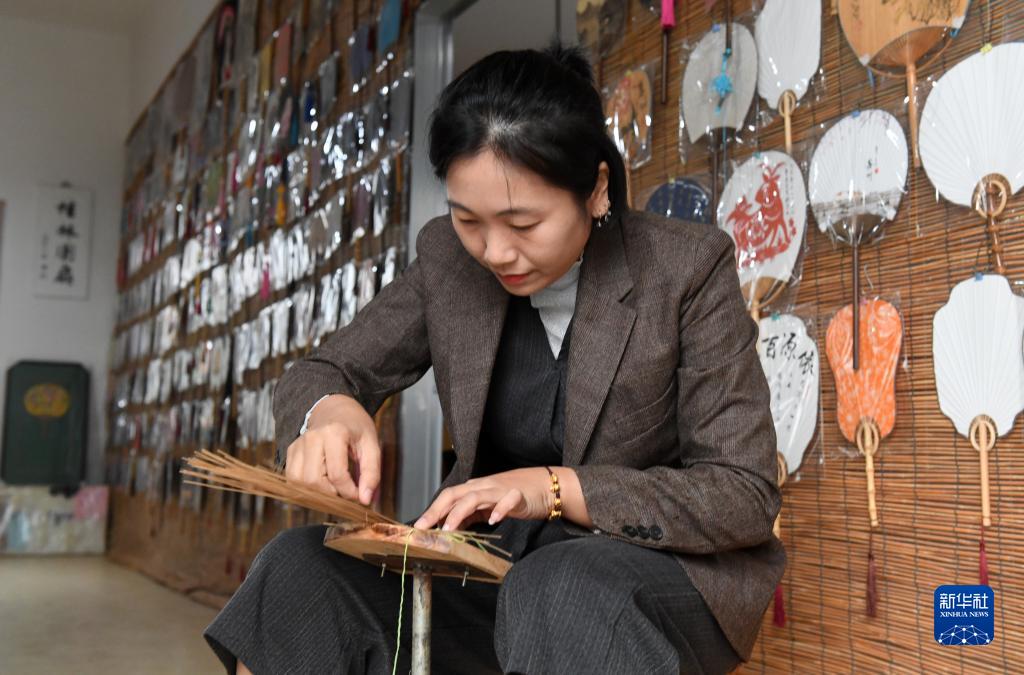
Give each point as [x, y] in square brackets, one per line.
[668, 422]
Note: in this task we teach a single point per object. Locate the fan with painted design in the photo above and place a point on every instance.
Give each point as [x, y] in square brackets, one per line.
[972, 141]
[789, 358]
[788, 37]
[718, 88]
[866, 395]
[764, 210]
[856, 182]
[979, 370]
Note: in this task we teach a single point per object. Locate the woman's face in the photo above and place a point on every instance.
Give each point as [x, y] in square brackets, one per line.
[527, 232]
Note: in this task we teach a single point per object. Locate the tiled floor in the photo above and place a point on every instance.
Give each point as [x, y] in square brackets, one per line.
[86, 615]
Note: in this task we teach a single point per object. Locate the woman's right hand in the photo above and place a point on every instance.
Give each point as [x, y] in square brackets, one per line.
[339, 453]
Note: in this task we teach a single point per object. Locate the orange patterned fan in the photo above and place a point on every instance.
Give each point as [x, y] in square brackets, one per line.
[866, 396]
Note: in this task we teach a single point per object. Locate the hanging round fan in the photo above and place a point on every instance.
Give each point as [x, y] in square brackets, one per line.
[979, 371]
[628, 117]
[866, 396]
[681, 198]
[972, 143]
[856, 182]
[600, 24]
[764, 210]
[790, 361]
[788, 36]
[789, 358]
[718, 88]
[897, 37]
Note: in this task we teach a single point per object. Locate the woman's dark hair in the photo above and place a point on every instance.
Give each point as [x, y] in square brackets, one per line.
[536, 109]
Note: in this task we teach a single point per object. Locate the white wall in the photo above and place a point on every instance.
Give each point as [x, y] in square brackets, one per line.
[165, 29]
[70, 94]
[63, 117]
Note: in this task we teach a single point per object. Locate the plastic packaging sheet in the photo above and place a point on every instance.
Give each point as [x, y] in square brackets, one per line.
[858, 176]
[628, 114]
[763, 208]
[682, 197]
[718, 88]
[788, 349]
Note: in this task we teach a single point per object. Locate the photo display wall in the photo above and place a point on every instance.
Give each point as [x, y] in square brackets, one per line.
[266, 202]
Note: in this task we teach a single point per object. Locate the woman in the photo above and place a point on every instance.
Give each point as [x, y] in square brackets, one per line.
[569, 336]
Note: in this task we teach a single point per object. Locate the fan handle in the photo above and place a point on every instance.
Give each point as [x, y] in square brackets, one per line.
[782, 475]
[990, 197]
[983, 439]
[868, 438]
[786, 105]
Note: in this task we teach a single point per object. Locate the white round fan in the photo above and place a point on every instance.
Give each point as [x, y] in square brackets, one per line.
[979, 368]
[764, 210]
[858, 174]
[970, 126]
[788, 36]
[707, 106]
[790, 361]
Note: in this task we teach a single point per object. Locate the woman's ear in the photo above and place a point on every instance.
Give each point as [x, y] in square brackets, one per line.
[599, 202]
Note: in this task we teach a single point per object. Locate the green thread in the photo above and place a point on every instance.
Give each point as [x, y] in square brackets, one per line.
[401, 604]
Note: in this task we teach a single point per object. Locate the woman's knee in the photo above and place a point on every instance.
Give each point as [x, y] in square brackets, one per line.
[294, 546]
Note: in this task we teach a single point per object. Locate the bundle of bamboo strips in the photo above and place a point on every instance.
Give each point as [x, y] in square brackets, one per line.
[221, 471]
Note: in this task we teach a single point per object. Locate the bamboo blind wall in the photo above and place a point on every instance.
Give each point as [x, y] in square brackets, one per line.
[927, 476]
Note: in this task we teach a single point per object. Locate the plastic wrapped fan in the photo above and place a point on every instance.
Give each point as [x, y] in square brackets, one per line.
[857, 175]
[788, 37]
[681, 198]
[979, 370]
[628, 116]
[764, 209]
[972, 144]
[866, 396]
[789, 357]
[856, 182]
[899, 37]
[718, 90]
[600, 24]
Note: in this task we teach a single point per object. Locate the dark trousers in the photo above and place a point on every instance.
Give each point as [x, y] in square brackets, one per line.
[569, 605]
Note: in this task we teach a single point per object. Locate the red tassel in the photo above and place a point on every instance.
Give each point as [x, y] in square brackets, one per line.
[780, 607]
[982, 561]
[872, 585]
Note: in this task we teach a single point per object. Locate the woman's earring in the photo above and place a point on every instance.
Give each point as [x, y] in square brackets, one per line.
[603, 220]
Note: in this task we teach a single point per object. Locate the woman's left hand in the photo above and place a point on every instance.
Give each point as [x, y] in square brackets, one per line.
[522, 493]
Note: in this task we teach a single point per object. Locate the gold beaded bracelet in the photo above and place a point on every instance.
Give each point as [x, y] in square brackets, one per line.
[556, 508]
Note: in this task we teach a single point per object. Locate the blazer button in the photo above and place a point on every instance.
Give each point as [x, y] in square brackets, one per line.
[629, 530]
[656, 533]
[643, 532]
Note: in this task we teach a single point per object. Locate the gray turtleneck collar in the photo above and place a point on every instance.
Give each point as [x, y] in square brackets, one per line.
[556, 304]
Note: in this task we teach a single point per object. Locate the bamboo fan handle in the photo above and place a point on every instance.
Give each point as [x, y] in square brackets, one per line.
[990, 197]
[983, 438]
[782, 475]
[867, 442]
[786, 105]
[912, 113]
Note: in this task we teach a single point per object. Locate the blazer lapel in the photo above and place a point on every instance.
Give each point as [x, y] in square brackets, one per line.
[479, 305]
[601, 327]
